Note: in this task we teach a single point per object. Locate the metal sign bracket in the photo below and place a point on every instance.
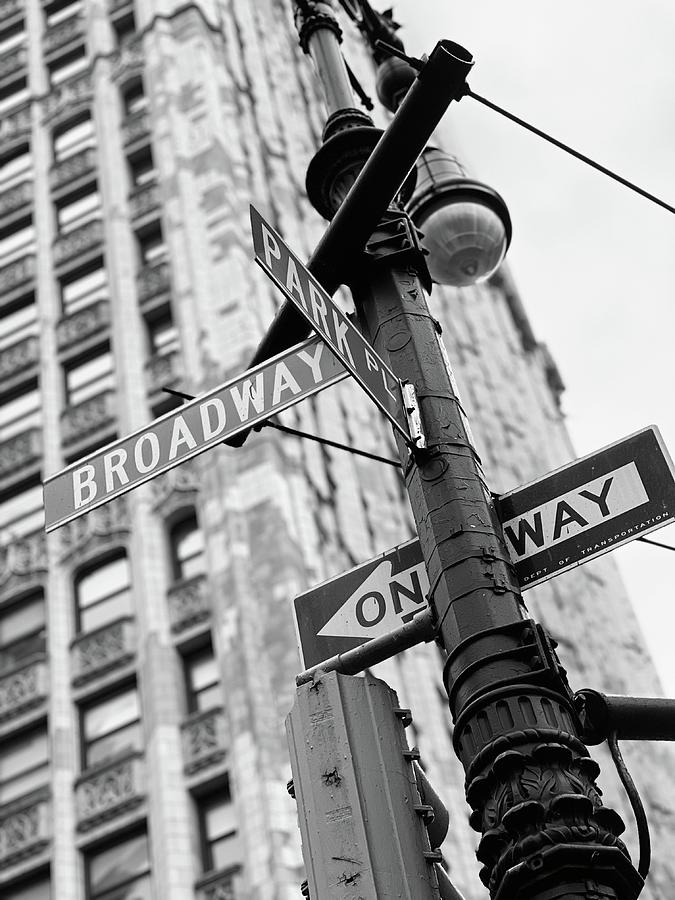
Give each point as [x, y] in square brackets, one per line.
[412, 415]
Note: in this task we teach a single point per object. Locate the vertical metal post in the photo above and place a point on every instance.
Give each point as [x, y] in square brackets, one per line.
[529, 779]
[320, 37]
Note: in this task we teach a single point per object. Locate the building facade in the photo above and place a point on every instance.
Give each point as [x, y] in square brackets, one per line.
[147, 649]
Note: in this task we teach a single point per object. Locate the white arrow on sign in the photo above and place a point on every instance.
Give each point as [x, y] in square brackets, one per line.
[383, 602]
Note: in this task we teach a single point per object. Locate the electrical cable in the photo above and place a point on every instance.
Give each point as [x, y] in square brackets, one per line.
[567, 149]
[636, 803]
[302, 434]
[656, 543]
[328, 443]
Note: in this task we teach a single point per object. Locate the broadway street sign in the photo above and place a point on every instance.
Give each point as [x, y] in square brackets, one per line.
[367, 601]
[345, 340]
[183, 433]
[588, 507]
[574, 514]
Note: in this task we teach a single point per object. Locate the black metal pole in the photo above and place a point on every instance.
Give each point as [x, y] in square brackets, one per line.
[529, 778]
[629, 718]
[545, 834]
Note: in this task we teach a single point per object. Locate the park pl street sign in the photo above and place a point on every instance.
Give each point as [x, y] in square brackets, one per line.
[569, 516]
[368, 601]
[179, 435]
[588, 507]
[345, 340]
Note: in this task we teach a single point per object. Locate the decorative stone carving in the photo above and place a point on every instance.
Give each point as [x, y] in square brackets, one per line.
[72, 167]
[19, 356]
[77, 241]
[151, 281]
[204, 740]
[97, 531]
[129, 62]
[79, 421]
[135, 127]
[15, 125]
[162, 370]
[176, 488]
[188, 603]
[83, 323]
[97, 652]
[12, 62]
[17, 272]
[63, 33]
[24, 829]
[23, 689]
[20, 452]
[16, 197]
[23, 560]
[109, 792]
[221, 886]
[67, 96]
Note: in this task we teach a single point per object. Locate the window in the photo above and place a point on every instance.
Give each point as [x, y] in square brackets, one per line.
[134, 99]
[20, 413]
[162, 333]
[23, 763]
[17, 243]
[18, 324]
[22, 631]
[152, 247]
[75, 136]
[28, 890]
[218, 826]
[110, 727]
[120, 871]
[89, 377]
[14, 95]
[11, 38]
[142, 168]
[202, 680]
[75, 213]
[21, 512]
[67, 66]
[17, 166]
[103, 594]
[187, 548]
[84, 288]
[125, 30]
[64, 12]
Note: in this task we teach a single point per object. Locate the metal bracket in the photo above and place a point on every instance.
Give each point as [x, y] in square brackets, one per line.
[413, 416]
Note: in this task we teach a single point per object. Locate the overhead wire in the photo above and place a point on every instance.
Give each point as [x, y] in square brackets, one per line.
[268, 423]
[644, 839]
[575, 153]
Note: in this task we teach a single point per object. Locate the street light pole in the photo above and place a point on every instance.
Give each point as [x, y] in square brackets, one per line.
[529, 779]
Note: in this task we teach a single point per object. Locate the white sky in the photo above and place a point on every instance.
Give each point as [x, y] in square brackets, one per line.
[594, 262]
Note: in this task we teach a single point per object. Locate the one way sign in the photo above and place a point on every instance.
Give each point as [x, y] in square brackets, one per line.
[368, 601]
[571, 515]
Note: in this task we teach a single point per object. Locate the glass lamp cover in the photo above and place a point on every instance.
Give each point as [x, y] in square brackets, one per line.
[466, 242]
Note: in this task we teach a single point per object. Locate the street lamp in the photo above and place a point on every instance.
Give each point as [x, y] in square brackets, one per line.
[465, 225]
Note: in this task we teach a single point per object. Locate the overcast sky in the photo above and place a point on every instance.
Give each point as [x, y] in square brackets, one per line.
[594, 262]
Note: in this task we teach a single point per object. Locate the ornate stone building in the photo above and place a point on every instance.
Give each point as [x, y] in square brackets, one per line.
[147, 650]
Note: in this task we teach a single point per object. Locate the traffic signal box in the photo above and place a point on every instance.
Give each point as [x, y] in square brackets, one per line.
[363, 819]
